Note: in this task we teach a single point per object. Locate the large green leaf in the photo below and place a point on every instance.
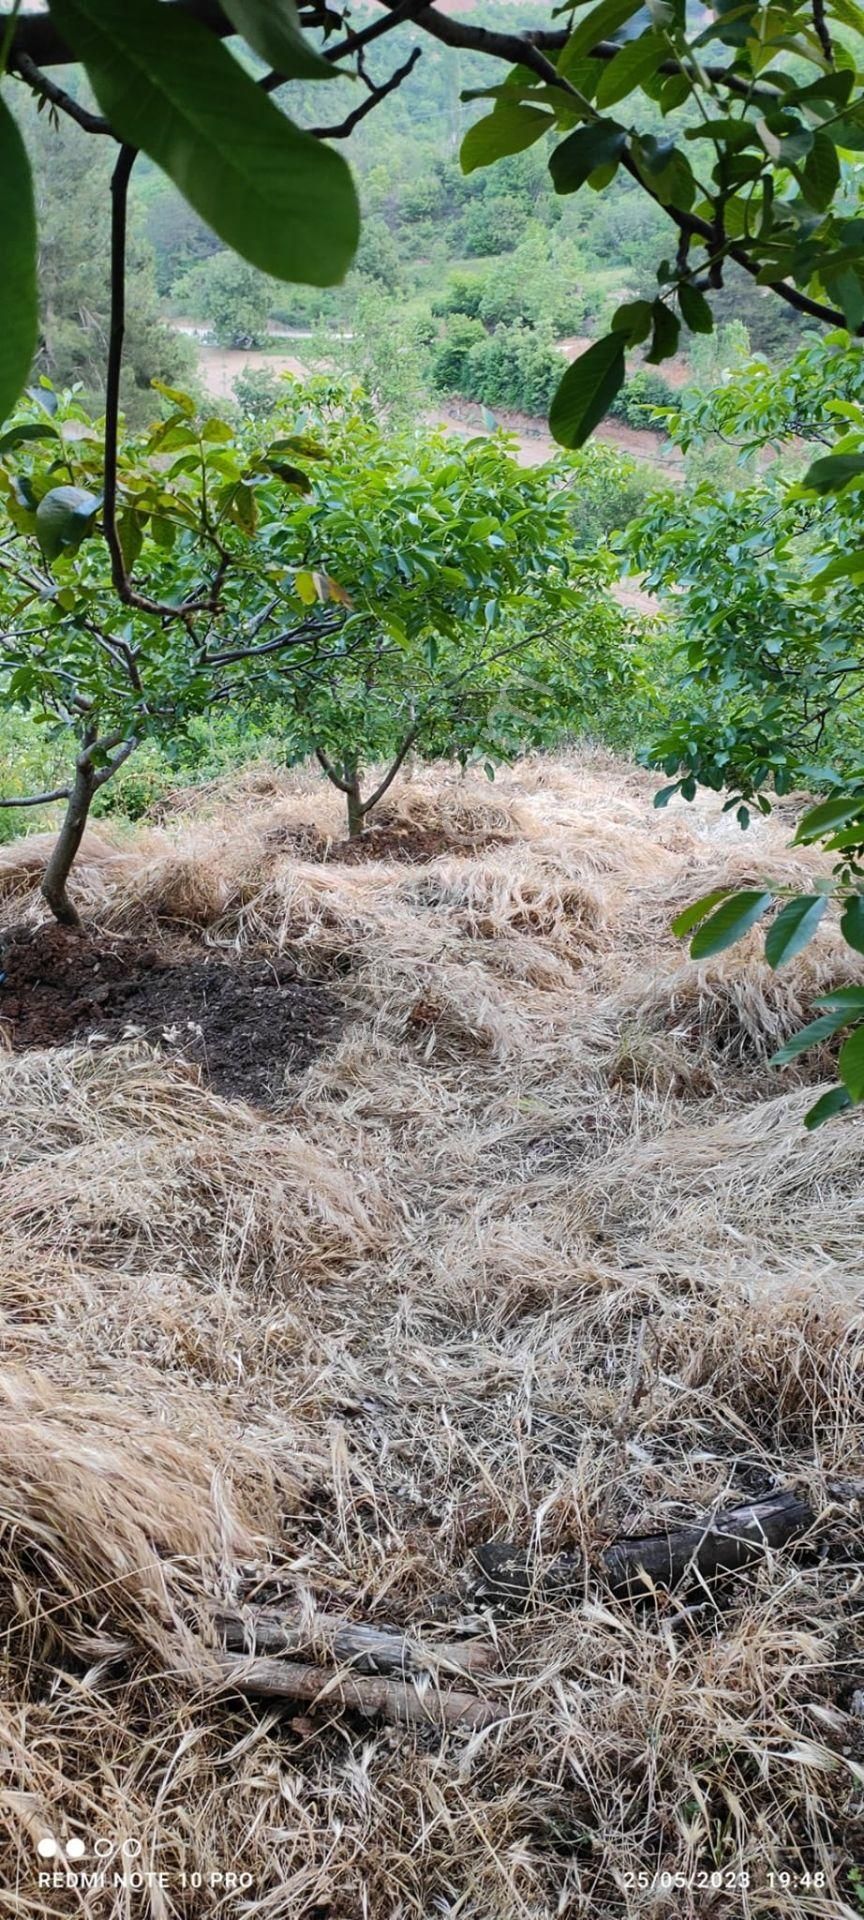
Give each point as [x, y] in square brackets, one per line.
[795, 924]
[510, 129]
[834, 471]
[599, 145]
[27, 430]
[851, 1064]
[19, 314]
[827, 815]
[698, 910]
[64, 518]
[852, 922]
[274, 194]
[836, 1100]
[273, 29]
[599, 24]
[810, 1036]
[587, 390]
[635, 62]
[731, 921]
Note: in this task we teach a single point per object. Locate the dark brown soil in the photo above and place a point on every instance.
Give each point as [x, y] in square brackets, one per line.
[413, 845]
[244, 1022]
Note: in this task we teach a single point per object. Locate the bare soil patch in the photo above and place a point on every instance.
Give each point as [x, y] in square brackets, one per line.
[246, 1023]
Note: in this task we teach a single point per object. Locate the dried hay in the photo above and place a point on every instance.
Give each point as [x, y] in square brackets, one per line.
[541, 1250]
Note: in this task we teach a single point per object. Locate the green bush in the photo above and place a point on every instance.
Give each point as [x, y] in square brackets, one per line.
[639, 396]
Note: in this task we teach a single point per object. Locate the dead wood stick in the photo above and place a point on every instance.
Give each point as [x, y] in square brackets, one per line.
[366, 1649]
[379, 1699]
[723, 1542]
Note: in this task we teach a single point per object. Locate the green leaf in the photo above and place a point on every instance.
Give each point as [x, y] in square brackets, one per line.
[822, 819]
[276, 195]
[833, 472]
[272, 29]
[64, 518]
[697, 911]
[852, 998]
[28, 430]
[634, 320]
[695, 311]
[599, 24]
[845, 566]
[836, 1100]
[795, 924]
[851, 1064]
[181, 400]
[737, 915]
[599, 145]
[292, 476]
[510, 129]
[852, 922]
[587, 390]
[810, 1036]
[131, 536]
[627, 69]
[19, 314]
[666, 334]
[820, 175]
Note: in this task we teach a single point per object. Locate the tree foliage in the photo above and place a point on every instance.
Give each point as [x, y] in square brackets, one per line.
[768, 589]
[736, 135]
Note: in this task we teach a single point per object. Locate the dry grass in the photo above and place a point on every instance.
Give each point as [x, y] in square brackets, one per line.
[539, 1250]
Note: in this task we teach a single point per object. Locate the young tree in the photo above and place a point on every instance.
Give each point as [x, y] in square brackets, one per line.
[768, 587]
[203, 600]
[466, 623]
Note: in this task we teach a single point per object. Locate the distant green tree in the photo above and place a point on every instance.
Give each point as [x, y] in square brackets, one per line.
[234, 298]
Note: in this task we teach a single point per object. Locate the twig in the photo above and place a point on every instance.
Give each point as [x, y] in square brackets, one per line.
[57, 96]
[38, 799]
[366, 1649]
[395, 1700]
[376, 94]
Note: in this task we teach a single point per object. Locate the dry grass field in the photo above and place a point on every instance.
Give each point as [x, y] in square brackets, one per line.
[534, 1249]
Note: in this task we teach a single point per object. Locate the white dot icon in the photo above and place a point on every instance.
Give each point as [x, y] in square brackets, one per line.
[76, 1849]
[47, 1847]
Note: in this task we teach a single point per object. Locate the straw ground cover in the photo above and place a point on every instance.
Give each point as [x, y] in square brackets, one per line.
[536, 1249]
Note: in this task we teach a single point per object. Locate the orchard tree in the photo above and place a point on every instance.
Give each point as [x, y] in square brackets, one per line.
[768, 585]
[467, 624]
[204, 599]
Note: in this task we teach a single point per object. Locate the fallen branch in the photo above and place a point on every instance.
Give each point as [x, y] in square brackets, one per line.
[721, 1543]
[377, 1699]
[366, 1649]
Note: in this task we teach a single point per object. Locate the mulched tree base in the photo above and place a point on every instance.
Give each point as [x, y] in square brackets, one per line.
[245, 1023]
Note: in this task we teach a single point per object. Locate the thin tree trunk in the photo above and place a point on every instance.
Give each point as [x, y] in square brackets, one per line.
[68, 841]
[356, 809]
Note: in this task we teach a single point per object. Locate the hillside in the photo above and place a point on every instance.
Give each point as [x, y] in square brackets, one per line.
[527, 1245]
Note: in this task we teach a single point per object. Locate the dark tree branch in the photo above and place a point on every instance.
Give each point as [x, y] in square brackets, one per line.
[123, 587]
[296, 637]
[353, 120]
[38, 799]
[328, 767]
[390, 776]
[48, 89]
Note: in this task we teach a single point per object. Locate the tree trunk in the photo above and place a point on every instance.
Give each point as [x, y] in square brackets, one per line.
[366, 1649]
[68, 841]
[356, 810]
